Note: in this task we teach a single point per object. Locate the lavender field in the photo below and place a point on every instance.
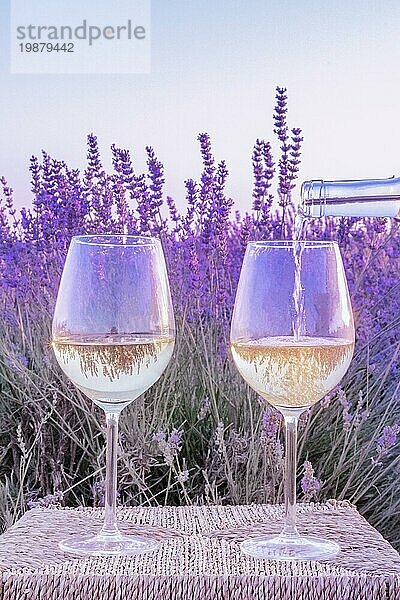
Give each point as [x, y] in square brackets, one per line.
[200, 435]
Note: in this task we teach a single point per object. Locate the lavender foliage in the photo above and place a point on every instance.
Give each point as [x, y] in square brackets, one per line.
[212, 442]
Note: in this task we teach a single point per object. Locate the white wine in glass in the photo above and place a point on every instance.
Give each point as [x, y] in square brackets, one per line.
[113, 336]
[292, 373]
[292, 340]
[120, 367]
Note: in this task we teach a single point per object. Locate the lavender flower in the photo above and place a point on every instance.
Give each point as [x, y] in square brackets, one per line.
[183, 476]
[295, 153]
[207, 187]
[205, 407]
[191, 199]
[263, 171]
[281, 130]
[347, 406]
[310, 485]
[156, 176]
[290, 152]
[387, 440]
[271, 422]
[361, 414]
[258, 172]
[168, 445]
[173, 213]
[219, 438]
[99, 493]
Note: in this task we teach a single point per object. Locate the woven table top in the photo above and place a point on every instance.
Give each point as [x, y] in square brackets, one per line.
[199, 557]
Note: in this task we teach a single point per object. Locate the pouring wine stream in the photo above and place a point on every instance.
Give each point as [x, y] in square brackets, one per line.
[298, 295]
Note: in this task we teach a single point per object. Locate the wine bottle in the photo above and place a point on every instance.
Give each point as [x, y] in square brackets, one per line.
[351, 198]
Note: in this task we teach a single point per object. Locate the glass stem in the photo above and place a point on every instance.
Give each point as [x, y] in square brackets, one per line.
[290, 529]
[110, 527]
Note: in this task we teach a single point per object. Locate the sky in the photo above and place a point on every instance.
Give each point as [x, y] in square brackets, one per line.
[214, 67]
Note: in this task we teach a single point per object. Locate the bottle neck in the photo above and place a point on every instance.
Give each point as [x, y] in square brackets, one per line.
[358, 198]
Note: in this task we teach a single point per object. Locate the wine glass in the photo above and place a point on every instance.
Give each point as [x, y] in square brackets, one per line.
[292, 340]
[113, 336]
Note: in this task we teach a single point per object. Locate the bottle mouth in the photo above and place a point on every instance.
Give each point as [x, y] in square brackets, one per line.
[311, 190]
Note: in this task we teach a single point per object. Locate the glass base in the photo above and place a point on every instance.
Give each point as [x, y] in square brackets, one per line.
[108, 545]
[286, 548]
